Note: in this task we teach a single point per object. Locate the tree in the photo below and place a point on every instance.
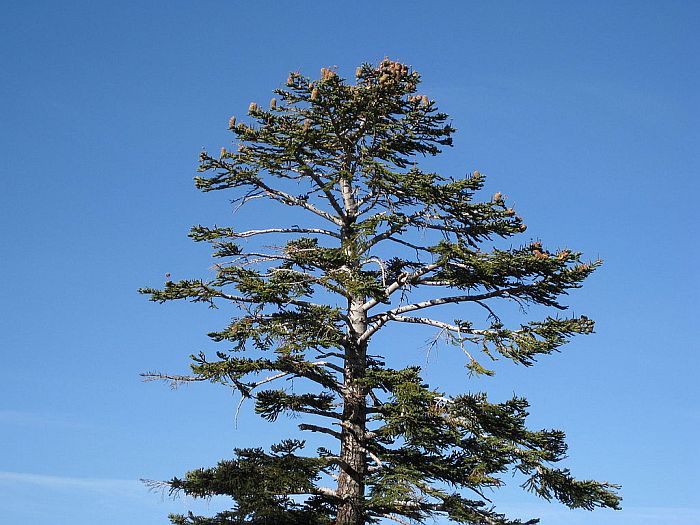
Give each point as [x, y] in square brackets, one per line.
[383, 243]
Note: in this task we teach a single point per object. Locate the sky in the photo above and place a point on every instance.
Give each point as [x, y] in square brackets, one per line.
[585, 115]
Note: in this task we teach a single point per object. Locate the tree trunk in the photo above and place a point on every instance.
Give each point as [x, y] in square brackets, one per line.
[351, 487]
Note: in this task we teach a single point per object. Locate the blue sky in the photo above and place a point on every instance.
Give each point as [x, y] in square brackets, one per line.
[586, 116]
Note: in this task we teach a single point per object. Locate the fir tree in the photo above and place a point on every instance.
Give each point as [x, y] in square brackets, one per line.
[385, 243]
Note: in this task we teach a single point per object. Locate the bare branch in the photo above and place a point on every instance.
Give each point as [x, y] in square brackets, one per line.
[319, 231]
[325, 491]
[175, 380]
[308, 171]
[442, 325]
[409, 244]
[434, 282]
[381, 265]
[492, 314]
[394, 229]
[290, 200]
[427, 321]
[394, 517]
[404, 279]
[322, 430]
[380, 319]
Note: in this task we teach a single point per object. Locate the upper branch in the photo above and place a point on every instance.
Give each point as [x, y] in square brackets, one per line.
[379, 320]
[251, 233]
[290, 200]
[404, 279]
[309, 172]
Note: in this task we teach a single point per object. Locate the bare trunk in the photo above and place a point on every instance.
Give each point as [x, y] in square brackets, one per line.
[351, 481]
[351, 487]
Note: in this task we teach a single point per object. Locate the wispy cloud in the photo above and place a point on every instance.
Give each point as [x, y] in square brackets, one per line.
[122, 487]
[39, 498]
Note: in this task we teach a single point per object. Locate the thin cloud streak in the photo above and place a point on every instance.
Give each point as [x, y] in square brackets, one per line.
[100, 485]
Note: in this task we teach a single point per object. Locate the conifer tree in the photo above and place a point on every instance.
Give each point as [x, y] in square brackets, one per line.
[384, 243]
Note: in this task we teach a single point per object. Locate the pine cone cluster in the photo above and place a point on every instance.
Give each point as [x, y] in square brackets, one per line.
[391, 71]
[422, 99]
[292, 78]
[537, 250]
[327, 74]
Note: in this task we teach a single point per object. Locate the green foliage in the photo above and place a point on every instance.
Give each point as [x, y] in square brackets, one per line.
[308, 300]
[263, 486]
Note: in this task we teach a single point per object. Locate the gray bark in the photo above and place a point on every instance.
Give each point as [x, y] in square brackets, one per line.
[351, 486]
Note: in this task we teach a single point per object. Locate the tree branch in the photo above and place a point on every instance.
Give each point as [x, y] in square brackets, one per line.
[319, 231]
[394, 229]
[380, 319]
[308, 171]
[322, 430]
[395, 518]
[427, 321]
[404, 279]
[290, 200]
[175, 380]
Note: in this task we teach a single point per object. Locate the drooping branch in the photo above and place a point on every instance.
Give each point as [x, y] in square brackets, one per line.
[281, 375]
